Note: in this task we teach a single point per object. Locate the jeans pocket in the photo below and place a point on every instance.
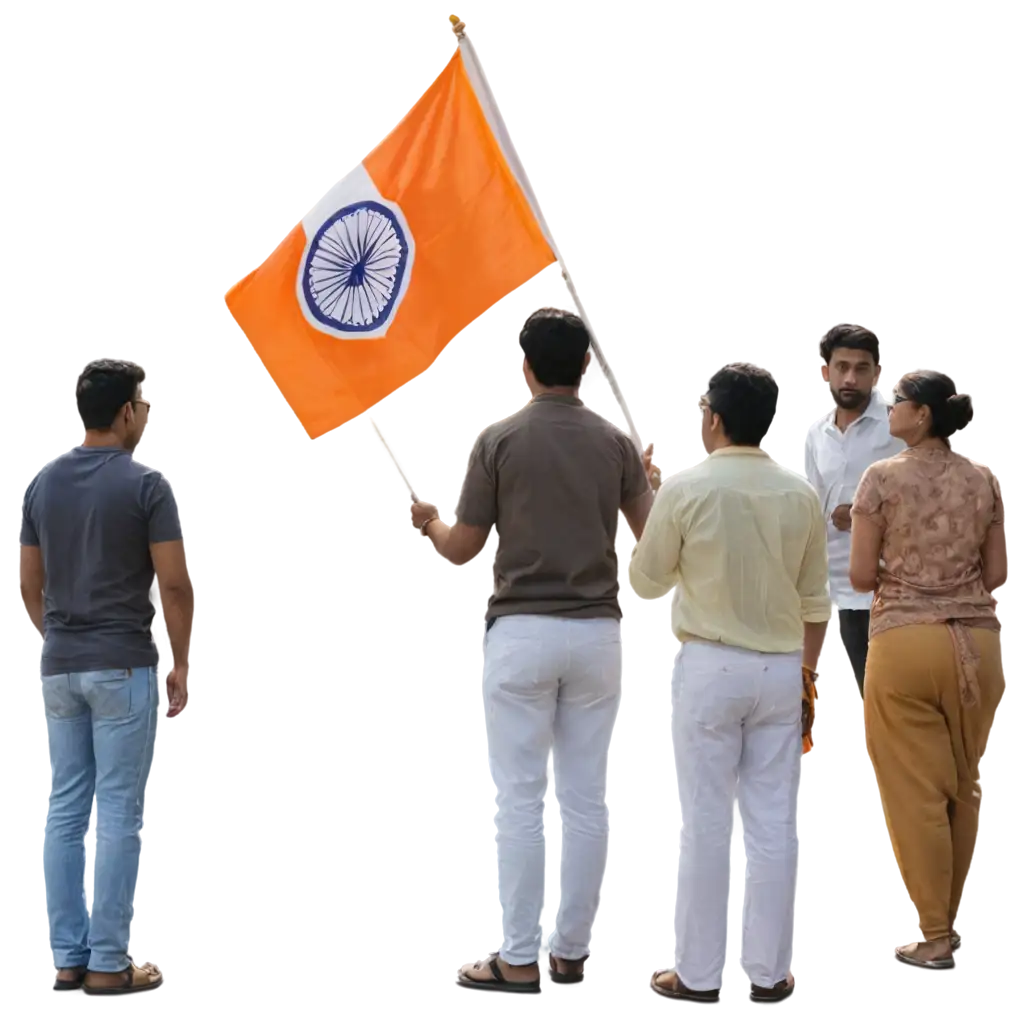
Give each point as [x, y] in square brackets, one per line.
[58, 699]
[109, 692]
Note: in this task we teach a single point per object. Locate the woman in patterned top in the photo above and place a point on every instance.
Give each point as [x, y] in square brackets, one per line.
[928, 539]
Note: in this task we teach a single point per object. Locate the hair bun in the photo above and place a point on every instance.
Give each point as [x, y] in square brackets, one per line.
[961, 411]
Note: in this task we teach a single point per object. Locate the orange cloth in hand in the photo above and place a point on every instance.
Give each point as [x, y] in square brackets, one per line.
[810, 698]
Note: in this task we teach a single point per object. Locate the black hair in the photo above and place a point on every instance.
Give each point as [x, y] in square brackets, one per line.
[745, 396]
[849, 336]
[104, 387]
[555, 344]
[950, 410]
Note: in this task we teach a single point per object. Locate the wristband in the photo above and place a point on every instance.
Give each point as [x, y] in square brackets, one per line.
[423, 528]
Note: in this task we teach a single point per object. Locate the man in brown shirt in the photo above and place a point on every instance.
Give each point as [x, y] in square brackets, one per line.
[552, 479]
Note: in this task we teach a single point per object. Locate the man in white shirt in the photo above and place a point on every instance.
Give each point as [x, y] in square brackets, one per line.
[840, 447]
[742, 542]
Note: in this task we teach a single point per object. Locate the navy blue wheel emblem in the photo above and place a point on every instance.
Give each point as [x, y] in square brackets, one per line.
[355, 266]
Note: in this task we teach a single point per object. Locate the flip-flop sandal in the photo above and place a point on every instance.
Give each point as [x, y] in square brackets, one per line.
[954, 942]
[497, 982]
[678, 990]
[942, 964]
[68, 986]
[136, 981]
[567, 978]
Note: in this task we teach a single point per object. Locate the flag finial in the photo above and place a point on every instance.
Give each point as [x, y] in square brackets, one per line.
[458, 26]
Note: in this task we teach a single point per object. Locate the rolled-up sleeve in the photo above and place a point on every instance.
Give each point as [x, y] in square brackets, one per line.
[654, 567]
[812, 584]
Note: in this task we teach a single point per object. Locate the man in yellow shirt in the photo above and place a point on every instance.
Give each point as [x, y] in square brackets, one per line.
[742, 542]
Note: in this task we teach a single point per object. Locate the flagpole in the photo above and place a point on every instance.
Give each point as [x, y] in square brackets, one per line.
[493, 114]
[407, 483]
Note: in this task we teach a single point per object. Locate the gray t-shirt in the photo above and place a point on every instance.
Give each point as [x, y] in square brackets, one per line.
[552, 478]
[94, 512]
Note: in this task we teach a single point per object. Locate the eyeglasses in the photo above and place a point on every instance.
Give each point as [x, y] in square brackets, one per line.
[896, 399]
[141, 401]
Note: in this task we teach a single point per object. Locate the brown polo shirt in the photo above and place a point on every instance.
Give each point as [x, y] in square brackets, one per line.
[552, 479]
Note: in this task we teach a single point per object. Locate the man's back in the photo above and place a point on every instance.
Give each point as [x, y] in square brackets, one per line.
[749, 552]
[94, 512]
[552, 478]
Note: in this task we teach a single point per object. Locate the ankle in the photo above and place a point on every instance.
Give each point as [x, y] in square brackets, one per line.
[519, 968]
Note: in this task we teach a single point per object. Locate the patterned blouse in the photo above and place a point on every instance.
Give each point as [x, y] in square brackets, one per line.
[934, 508]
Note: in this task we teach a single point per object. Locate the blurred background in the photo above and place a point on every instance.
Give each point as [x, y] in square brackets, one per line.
[724, 185]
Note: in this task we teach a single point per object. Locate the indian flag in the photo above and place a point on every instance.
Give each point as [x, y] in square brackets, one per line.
[432, 228]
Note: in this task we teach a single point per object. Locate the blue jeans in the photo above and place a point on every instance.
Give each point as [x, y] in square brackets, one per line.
[101, 727]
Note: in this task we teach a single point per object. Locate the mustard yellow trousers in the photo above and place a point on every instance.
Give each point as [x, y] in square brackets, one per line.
[926, 747]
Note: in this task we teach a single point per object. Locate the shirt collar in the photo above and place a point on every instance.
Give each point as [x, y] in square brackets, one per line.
[877, 409]
[548, 396]
[734, 449]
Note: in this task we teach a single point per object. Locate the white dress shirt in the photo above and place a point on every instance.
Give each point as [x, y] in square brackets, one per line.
[834, 461]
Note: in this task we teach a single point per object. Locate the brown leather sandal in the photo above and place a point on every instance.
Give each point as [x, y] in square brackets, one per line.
[497, 982]
[677, 990]
[775, 994]
[60, 985]
[134, 979]
[569, 977]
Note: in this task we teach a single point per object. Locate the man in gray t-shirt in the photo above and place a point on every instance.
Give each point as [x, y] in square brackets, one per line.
[96, 527]
[552, 479]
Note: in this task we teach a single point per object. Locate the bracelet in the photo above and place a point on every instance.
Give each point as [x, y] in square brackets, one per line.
[423, 528]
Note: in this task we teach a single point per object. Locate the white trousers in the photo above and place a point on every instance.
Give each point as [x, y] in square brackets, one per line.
[736, 729]
[550, 683]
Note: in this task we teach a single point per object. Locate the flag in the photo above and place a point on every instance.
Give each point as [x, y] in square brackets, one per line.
[430, 230]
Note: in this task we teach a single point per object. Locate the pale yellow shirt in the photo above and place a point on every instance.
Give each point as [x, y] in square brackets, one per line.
[742, 540]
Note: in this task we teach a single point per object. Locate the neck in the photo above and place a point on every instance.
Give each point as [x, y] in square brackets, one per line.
[102, 439]
[568, 392]
[929, 442]
[844, 417]
[718, 445]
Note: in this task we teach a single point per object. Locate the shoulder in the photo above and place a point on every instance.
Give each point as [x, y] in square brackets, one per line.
[494, 432]
[148, 476]
[794, 482]
[611, 434]
[978, 469]
[972, 465]
[47, 471]
[148, 484]
[690, 483]
[819, 425]
[886, 469]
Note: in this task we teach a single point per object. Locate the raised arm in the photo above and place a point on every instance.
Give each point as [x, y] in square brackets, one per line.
[640, 482]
